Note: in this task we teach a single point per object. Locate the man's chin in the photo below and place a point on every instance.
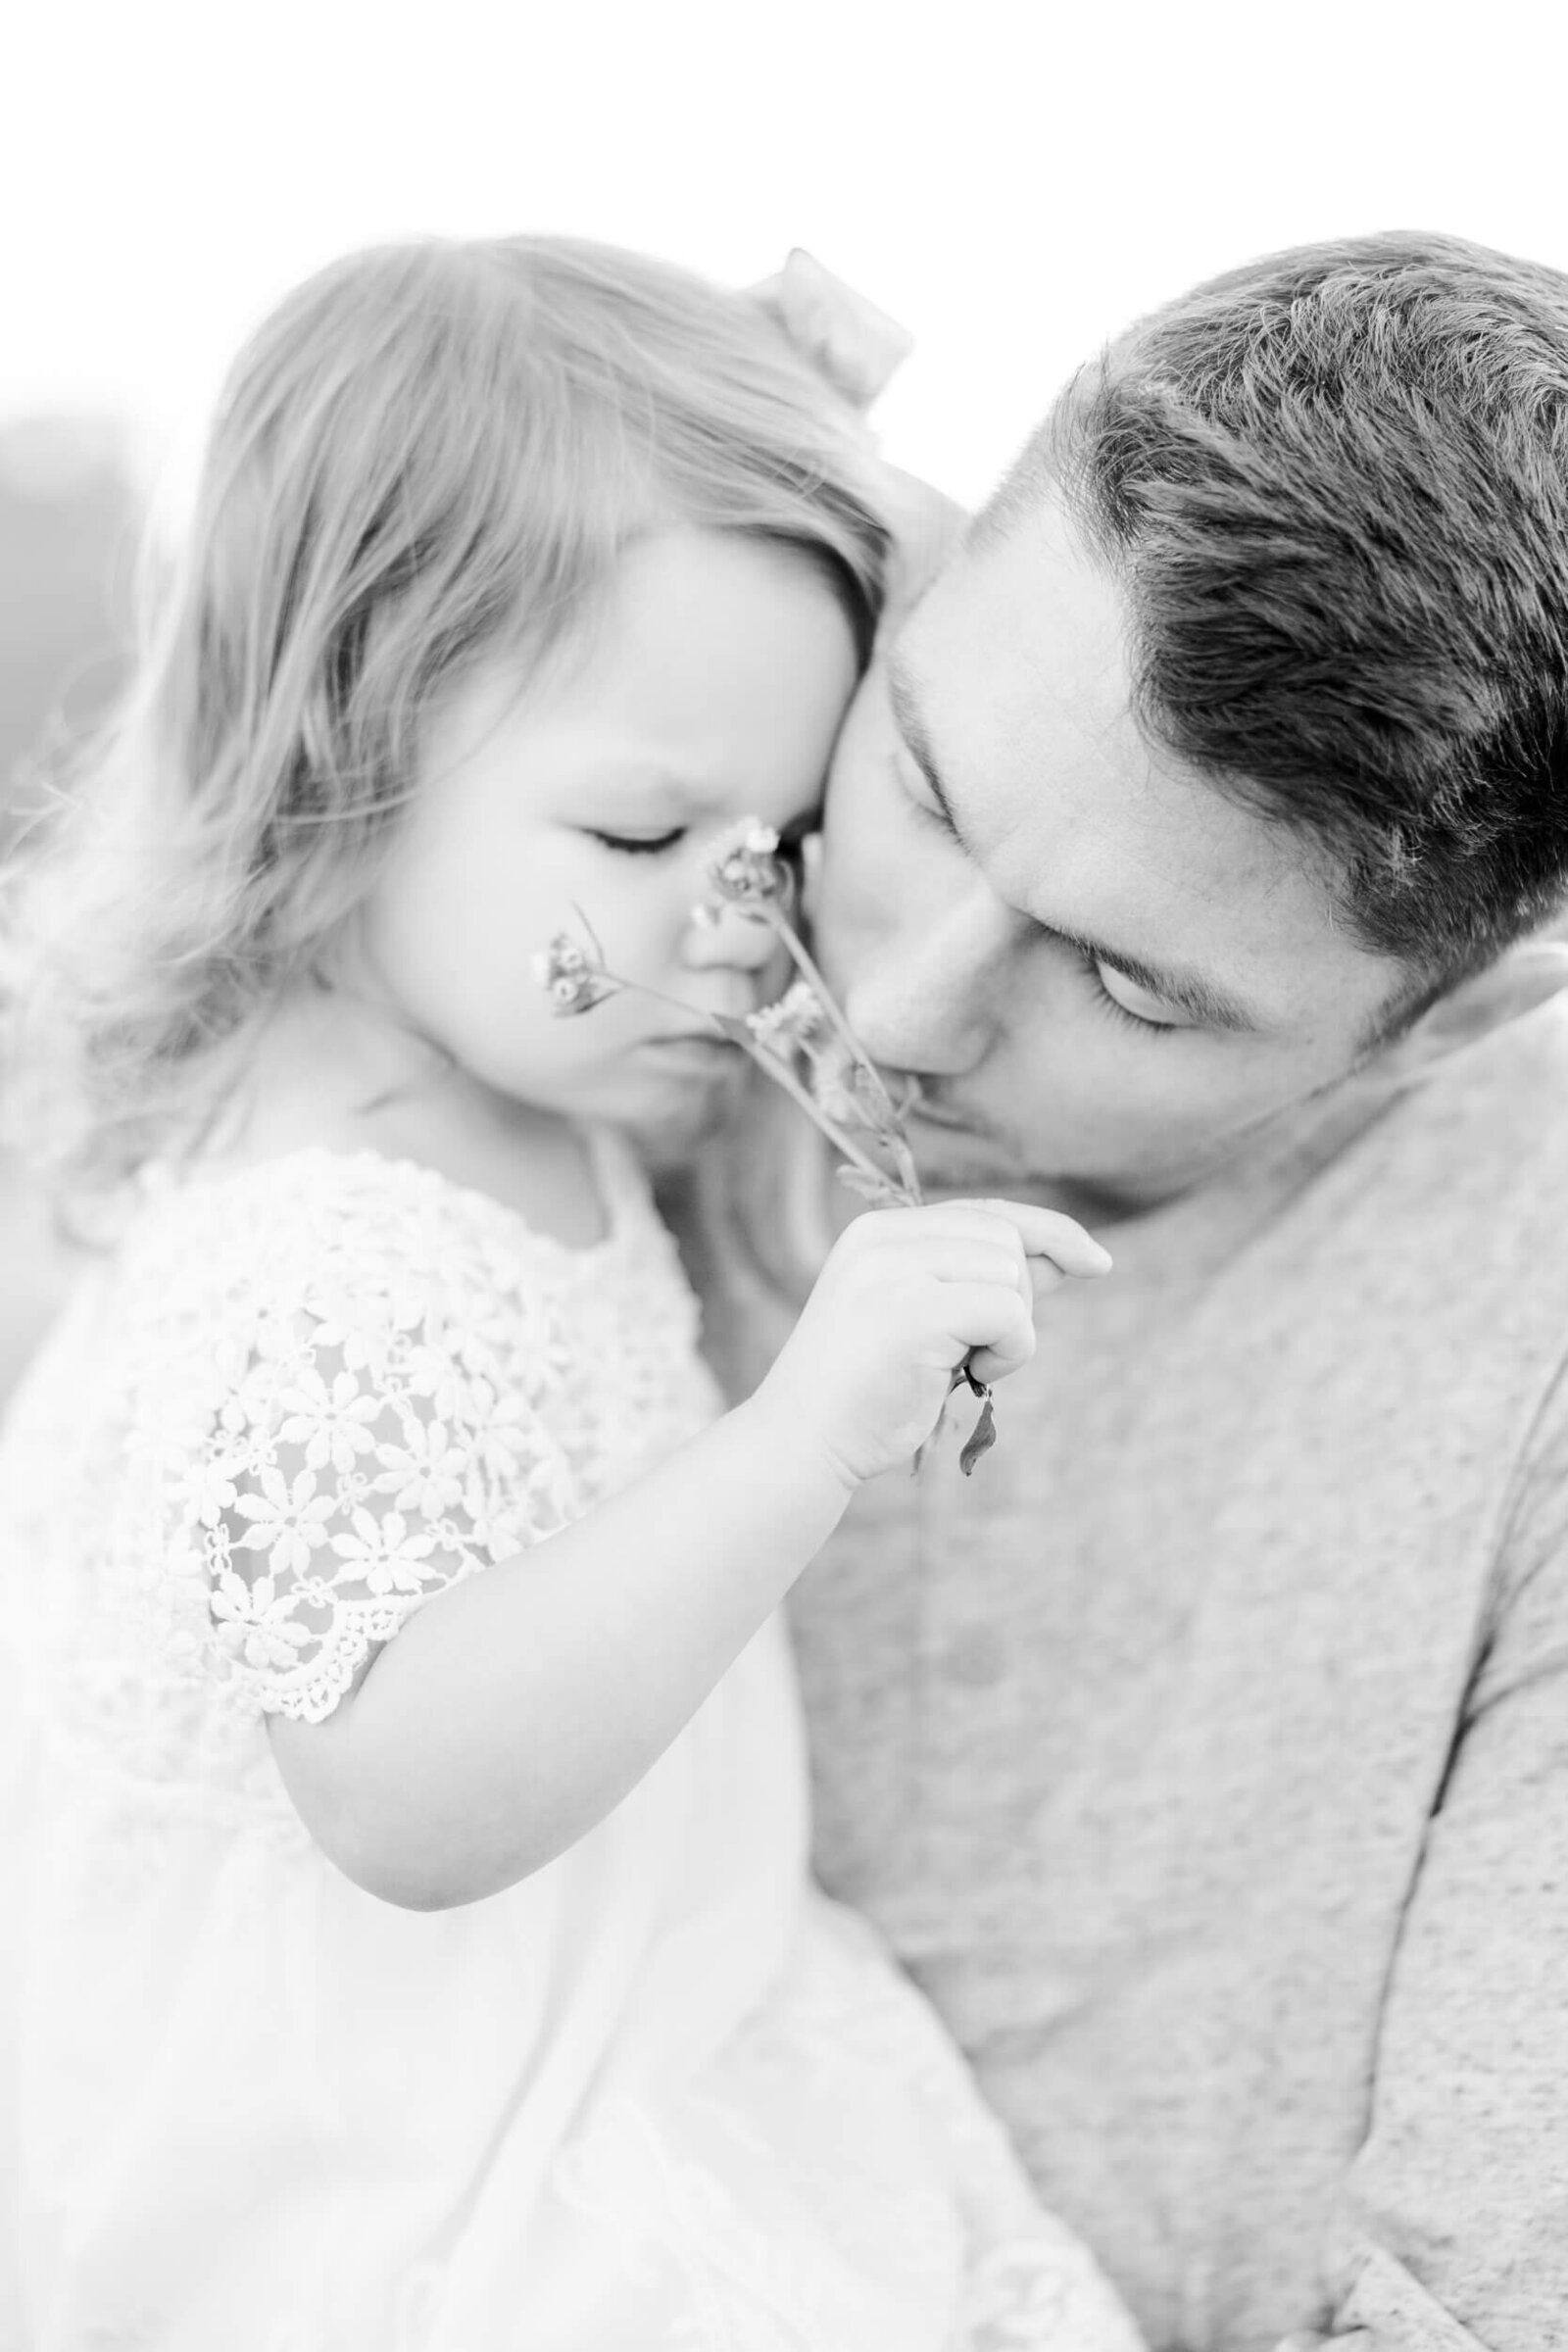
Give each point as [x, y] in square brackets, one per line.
[951, 1158]
[978, 1163]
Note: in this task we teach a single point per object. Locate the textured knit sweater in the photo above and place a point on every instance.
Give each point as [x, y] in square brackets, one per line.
[1206, 1756]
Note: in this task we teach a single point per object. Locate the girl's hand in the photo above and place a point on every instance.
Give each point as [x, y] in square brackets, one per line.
[906, 1295]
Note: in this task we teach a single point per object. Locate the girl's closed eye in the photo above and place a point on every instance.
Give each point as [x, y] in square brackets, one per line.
[637, 845]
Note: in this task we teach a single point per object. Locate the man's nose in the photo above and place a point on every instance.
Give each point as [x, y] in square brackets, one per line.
[925, 995]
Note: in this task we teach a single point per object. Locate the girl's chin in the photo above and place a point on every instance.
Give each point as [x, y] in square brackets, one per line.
[669, 1139]
[668, 1119]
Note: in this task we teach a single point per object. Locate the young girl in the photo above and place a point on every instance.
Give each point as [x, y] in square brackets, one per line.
[413, 1946]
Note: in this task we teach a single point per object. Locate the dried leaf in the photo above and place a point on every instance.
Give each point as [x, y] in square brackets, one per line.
[871, 1097]
[982, 1436]
[736, 1031]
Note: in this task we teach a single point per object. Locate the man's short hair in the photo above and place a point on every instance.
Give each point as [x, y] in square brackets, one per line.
[1334, 486]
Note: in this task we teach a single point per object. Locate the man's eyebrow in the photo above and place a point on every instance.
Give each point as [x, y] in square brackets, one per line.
[1206, 1004]
[917, 743]
[1209, 1006]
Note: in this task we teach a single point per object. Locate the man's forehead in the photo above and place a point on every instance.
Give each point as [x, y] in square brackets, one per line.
[1038, 625]
[1015, 666]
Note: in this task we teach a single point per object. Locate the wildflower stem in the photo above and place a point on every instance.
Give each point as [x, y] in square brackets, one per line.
[747, 887]
[807, 966]
[771, 1064]
[640, 988]
[782, 1075]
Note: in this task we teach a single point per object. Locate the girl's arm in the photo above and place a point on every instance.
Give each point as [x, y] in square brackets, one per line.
[515, 1709]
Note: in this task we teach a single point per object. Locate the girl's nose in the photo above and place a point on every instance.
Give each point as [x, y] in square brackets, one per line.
[721, 937]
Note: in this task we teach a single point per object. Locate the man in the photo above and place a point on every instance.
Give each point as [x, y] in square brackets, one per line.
[1206, 1756]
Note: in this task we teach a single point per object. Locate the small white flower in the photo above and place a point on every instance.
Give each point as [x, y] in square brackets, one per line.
[288, 1522]
[425, 1473]
[744, 865]
[571, 980]
[253, 1623]
[558, 961]
[208, 1488]
[384, 1553]
[331, 1424]
[797, 1015]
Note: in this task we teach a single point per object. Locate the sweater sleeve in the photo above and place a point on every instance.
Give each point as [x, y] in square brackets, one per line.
[1453, 2233]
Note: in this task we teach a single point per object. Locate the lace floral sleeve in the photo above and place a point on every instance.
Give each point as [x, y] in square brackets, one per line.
[375, 1431]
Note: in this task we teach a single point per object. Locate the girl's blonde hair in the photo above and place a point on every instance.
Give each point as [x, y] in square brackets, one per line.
[427, 451]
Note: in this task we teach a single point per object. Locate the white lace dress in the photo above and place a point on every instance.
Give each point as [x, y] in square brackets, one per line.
[660, 2094]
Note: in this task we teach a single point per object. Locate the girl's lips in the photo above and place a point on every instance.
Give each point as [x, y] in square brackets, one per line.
[698, 1047]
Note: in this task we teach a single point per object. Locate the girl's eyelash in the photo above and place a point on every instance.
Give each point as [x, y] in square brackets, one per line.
[791, 848]
[634, 845]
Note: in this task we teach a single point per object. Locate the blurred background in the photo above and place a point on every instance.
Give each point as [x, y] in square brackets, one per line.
[1011, 179]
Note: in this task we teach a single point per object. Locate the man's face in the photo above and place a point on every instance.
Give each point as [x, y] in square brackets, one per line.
[1106, 975]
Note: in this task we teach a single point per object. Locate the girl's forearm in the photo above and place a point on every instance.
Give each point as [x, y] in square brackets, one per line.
[516, 1708]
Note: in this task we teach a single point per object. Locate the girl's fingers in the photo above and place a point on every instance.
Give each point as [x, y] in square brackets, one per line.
[957, 1258]
[1046, 1233]
[1041, 1232]
[984, 1320]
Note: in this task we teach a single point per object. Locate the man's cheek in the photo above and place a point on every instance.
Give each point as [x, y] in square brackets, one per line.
[847, 880]
[862, 790]
[867, 905]
[853, 914]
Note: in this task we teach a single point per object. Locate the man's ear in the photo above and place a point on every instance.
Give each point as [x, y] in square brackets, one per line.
[1525, 976]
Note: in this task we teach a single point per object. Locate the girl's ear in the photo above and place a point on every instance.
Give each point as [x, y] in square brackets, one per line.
[1524, 977]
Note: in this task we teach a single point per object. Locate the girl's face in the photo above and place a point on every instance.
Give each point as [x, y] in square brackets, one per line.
[711, 689]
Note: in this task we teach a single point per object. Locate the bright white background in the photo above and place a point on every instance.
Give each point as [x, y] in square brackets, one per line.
[1011, 177]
